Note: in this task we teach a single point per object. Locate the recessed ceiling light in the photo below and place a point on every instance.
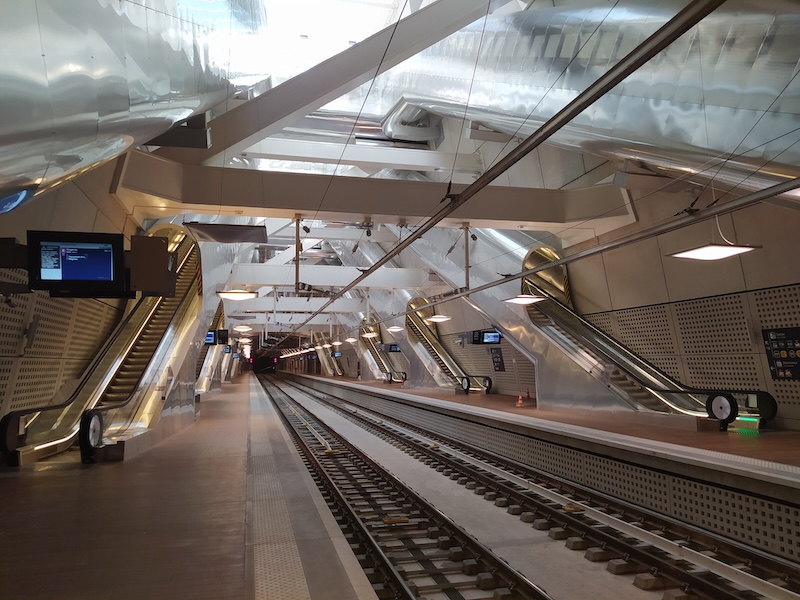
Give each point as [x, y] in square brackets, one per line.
[394, 328]
[369, 334]
[713, 251]
[351, 340]
[337, 343]
[243, 328]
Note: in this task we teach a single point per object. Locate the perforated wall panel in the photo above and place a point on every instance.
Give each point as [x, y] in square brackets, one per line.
[68, 333]
[476, 359]
[730, 370]
[771, 525]
[671, 365]
[646, 330]
[713, 325]
[714, 342]
[777, 307]
[636, 484]
[603, 321]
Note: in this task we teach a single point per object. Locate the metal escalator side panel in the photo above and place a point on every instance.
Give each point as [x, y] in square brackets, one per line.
[447, 367]
[147, 398]
[616, 362]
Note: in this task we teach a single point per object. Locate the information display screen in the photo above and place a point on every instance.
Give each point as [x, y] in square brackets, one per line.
[76, 264]
[491, 336]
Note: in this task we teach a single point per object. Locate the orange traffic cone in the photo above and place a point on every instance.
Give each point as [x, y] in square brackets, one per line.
[519, 402]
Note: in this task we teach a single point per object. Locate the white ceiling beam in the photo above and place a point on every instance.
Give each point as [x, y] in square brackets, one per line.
[326, 276]
[364, 156]
[154, 187]
[286, 256]
[241, 127]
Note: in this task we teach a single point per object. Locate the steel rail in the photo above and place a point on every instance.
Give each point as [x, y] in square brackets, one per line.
[521, 585]
[495, 466]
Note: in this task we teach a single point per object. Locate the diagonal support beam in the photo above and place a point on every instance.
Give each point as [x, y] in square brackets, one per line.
[663, 37]
[236, 130]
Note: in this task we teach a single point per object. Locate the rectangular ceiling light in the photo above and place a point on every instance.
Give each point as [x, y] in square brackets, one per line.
[713, 252]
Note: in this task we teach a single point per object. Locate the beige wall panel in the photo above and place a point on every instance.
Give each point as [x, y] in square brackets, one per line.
[777, 229]
[587, 280]
[34, 214]
[687, 278]
[635, 276]
[72, 210]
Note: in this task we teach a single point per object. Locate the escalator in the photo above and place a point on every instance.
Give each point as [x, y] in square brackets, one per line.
[130, 371]
[370, 345]
[110, 382]
[328, 362]
[449, 368]
[216, 323]
[634, 379]
[540, 315]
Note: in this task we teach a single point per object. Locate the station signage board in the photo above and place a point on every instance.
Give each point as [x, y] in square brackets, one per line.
[783, 352]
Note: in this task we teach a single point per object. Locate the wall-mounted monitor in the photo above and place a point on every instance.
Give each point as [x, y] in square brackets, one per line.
[227, 349]
[211, 337]
[337, 355]
[222, 336]
[74, 264]
[393, 348]
[490, 337]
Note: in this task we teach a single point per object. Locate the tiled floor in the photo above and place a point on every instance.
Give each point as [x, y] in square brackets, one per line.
[183, 520]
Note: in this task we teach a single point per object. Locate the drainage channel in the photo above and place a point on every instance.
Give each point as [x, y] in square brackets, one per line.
[407, 547]
[663, 553]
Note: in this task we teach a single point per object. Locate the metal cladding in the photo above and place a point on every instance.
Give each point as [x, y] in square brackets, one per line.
[83, 81]
[721, 98]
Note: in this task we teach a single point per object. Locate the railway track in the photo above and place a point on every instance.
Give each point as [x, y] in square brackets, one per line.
[407, 548]
[663, 553]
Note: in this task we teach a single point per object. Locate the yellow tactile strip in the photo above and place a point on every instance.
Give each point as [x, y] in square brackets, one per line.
[278, 572]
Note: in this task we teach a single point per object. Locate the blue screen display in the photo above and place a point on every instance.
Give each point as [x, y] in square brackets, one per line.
[211, 337]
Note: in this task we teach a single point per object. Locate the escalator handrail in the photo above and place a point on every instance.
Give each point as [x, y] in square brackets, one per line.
[93, 367]
[679, 388]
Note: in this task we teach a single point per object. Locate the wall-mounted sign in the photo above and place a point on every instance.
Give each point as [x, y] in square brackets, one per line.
[497, 359]
[783, 352]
